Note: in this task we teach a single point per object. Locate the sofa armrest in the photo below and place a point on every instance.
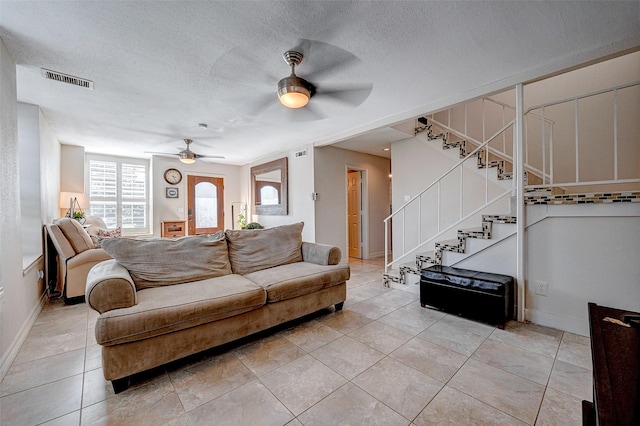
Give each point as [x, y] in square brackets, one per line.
[109, 286]
[321, 254]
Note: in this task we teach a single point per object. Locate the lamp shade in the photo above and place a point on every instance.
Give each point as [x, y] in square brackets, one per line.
[66, 198]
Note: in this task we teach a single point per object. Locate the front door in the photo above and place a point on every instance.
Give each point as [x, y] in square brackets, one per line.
[205, 201]
[354, 198]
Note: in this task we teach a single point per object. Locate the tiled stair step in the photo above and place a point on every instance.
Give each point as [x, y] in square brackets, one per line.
[457, 245]
[428, 258]
[390, 277]
[480, 232]
[505, 169]
[531, 192]
[460, 144]
[500, 165]
[408, 268]
[499, 218]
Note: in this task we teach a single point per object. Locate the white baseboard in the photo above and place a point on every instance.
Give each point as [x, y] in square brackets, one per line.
[376, 255]
[10, 355]
[570, 324]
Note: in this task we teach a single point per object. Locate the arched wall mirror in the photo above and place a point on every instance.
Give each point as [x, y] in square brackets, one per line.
[269, 188]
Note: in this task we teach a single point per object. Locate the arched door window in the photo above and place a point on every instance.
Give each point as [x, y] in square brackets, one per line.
[269, 195]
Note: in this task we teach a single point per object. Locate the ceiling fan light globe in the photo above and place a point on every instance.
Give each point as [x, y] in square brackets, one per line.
[187, 157]
[292, 92]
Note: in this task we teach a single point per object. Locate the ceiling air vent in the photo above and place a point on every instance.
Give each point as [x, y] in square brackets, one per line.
[301, 153]
[65, 78]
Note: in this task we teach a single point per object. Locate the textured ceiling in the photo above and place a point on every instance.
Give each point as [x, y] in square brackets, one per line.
[160, 68]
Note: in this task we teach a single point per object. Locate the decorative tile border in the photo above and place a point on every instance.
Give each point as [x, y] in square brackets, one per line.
[591, 198]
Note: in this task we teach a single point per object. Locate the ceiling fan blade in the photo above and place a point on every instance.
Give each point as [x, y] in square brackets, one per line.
[323, 59]
[352, 95]
[165, 154]
[209, 156]
[308, 113]
[227, 66]
[260, 103]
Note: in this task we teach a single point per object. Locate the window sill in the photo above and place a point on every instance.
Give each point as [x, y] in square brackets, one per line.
[30, 262]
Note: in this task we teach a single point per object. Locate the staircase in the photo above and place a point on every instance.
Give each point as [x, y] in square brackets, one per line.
[458, 245]
[466, 148]
[553, 171]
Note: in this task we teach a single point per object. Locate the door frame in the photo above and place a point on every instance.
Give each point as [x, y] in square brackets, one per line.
[364, 211]
[185, 202]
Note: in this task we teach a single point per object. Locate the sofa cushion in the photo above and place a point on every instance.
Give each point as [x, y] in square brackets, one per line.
[75, 234]
[297, 279]
[255, 249]
[165, 261]
[162, 310]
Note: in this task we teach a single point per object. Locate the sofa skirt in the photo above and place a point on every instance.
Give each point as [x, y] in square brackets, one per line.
[123, 360]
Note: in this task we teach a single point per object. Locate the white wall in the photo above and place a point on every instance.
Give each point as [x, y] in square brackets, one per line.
[176, 208]
[300, 183]
[331, 166]
[50, 154]
[29, 172]
[586, 253]
[416, 164]
[21, 295]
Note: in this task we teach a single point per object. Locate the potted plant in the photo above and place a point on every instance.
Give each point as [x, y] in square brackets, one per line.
[254, 225]
[79, 216]
[242, 221]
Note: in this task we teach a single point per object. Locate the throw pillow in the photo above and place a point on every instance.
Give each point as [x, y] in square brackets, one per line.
[251, 250]
[100, 234]
[110, 233]
[164, 261]
[75, 234]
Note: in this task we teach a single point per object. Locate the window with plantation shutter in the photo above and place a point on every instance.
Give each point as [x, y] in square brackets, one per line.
[118, 192]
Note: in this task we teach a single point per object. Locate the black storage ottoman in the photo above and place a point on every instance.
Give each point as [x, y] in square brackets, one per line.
[477, 295]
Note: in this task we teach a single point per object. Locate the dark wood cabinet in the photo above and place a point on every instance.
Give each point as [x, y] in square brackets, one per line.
[615, 349]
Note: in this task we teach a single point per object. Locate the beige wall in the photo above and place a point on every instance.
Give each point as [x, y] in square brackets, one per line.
[175, 209]
[331, 165]
[72, 168]
[300, 184]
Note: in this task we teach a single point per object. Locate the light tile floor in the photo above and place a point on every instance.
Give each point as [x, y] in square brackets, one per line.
[383, 360]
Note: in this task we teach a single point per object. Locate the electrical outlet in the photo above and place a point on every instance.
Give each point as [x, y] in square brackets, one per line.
[542, 288]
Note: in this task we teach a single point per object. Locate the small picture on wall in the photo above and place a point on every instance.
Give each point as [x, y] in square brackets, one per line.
[171, 192]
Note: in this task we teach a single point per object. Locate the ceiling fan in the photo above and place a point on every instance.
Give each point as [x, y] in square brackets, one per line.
[295, 92]
[322, 62]
[186, 155]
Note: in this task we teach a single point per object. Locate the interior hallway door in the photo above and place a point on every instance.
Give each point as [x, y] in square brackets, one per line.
[354, 208]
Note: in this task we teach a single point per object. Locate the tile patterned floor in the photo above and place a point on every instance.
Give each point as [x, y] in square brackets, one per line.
[383, 360]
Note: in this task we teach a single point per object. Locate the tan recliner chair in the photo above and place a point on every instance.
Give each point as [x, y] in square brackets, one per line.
[76, 254]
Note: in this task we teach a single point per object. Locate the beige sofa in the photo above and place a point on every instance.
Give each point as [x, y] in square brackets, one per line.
[76, 252]
[164, 299]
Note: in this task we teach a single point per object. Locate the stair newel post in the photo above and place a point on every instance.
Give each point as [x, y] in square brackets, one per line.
[461, 191]
[518, 183]
[544, 152]
[386, 245]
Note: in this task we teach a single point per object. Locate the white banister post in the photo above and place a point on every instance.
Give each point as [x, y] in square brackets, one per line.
[520, 213]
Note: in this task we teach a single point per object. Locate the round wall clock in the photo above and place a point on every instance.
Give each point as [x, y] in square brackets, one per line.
[172, 176]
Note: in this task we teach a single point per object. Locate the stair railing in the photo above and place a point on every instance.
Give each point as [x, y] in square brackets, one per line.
[531, 117]
[401, 252]
[608, 117]
[501, 153]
